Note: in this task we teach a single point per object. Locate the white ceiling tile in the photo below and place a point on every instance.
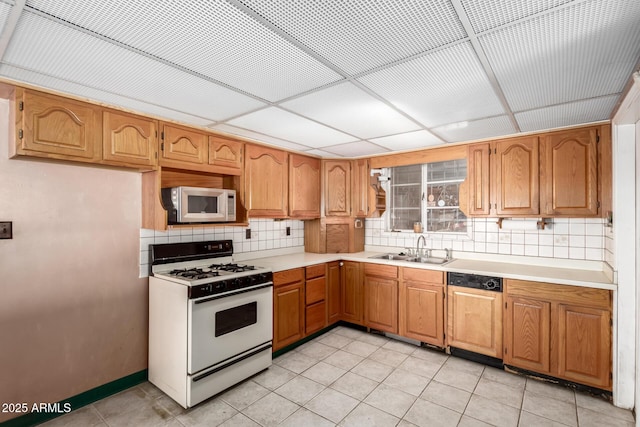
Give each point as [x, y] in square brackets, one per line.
[359, 35]
[356, 149]
[584, 111]
[487, 14]
[213, 38]
[352, 110]
[321, 153]
[408, 141]
[442, 87]
[44, 46]
[282, 124]
[259, 137]
[477, 129]
[4, 14]
[64, 86]
[577, 52]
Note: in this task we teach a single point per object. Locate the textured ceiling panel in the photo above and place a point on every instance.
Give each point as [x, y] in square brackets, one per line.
[586, 111]
[64, 86]
[487, 14]
[321, 153]
[259, 137]
[4, 13]
[356, 149]
[577, 52]
[478, 129]
[278, 123]
[44, 46]
[408, 141]
[359, 35]
[443, 87]
[352, 110]
[209, 37]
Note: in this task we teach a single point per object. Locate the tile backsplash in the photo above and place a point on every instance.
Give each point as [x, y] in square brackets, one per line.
[568, 238]
[265, 234]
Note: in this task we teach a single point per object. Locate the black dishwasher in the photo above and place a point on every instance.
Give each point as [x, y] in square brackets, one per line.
[474, 327]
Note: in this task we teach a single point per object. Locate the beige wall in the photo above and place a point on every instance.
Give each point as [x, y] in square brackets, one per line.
[73, 313]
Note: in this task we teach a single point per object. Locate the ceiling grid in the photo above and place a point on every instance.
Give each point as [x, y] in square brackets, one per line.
[334, 78]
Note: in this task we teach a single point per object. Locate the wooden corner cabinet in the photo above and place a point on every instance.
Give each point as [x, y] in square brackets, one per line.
[421, 305]
[337, 187]
[266, 182]
[352, 292]
[58, 128]
[129, 139]
[381, 297]
[334, 296]
[559, 330]
[304, 187]
[288, 307]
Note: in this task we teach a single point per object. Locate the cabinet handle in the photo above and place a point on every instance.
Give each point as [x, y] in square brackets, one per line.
[341, 264]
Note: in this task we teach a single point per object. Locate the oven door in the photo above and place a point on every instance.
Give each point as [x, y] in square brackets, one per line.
[223, 327]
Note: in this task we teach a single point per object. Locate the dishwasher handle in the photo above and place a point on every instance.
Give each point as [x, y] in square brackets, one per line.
[475, 281]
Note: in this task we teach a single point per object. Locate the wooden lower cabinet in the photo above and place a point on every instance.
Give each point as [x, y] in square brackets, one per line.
[288, 307]
[559, 330]
[421, 306]
[352, 292]
[475, 320]
[381, 297]
[334, 297]
[315, 298]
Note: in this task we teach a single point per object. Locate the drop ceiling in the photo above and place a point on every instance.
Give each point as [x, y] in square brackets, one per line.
[334, 78]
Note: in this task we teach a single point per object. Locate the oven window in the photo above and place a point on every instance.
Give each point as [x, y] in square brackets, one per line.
[236, 318]
[202, 204]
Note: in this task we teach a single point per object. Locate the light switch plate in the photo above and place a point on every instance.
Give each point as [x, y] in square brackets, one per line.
[6, 230]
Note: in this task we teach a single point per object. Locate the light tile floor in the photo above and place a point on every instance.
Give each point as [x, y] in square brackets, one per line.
[348, 377]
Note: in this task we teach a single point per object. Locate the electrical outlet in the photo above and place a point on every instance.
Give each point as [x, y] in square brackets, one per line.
[288, 232]
[6, 230]
[247, 233]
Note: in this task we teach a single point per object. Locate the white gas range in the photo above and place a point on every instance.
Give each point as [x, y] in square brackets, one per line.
[210, 320]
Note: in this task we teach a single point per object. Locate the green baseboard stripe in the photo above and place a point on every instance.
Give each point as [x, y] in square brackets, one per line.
[80, 400]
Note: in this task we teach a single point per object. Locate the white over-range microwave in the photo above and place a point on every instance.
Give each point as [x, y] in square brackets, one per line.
[199, 204]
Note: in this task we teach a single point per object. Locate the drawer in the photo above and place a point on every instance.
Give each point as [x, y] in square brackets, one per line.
[566, 294]
[315, 271]
[316, 317]
[288, 276]
[421, 275]
[316, 290]
[388, 271]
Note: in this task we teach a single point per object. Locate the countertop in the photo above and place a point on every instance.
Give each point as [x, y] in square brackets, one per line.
[507, 270]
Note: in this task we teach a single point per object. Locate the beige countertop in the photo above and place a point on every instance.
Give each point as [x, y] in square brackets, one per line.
[507, 270]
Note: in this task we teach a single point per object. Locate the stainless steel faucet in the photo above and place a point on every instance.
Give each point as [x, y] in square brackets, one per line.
[448, 254]
[418, 252]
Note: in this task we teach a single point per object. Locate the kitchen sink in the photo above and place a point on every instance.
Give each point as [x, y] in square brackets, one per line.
[421, 260]
[392, 257]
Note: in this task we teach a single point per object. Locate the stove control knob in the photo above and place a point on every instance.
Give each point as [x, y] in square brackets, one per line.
[491, 284]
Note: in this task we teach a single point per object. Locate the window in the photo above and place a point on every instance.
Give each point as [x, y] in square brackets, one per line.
[427, 193]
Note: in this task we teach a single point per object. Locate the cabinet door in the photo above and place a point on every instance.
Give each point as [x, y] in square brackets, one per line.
[584, 346]
[315, 317]
[527, 334]
[517, 186]
[475, 320]
[266, 182]
[226, 155]
[421, 312]
[478, 178]
[360, 187]
[129, 139]
[333, 292]
[381, 303]
[288, 314]
[304, 187]
[58, 128]
[184, 148]
[569, 173]
[337, 187]
[352, 292]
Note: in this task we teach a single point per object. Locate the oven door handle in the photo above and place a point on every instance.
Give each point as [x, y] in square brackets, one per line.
[238, 292]
[260, 349]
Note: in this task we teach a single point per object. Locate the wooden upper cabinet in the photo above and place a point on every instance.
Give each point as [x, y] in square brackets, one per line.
[478, 179]
[184, 148]
[226, 155]
[337, 187]
[569, 173]
[266, 182]
[129, 139]
[55, 127]
[304, 187]
[360, 187]
[517, 176]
